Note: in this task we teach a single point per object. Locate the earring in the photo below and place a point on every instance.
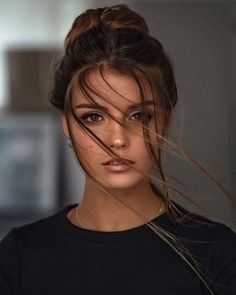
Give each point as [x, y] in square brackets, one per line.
[69, 143]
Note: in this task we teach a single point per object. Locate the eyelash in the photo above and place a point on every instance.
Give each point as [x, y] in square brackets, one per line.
[86, 116]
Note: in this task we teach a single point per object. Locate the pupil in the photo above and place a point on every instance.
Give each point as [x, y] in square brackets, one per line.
[138, 116]
[93, 117]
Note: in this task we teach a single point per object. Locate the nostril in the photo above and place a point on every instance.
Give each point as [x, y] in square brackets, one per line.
[118, 143]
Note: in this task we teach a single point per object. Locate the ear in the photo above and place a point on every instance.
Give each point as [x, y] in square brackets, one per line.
[64, 125]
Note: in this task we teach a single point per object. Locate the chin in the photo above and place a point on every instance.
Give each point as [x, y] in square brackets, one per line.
[125, 183]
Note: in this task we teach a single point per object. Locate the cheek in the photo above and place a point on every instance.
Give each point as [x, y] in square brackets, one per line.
[85, 142]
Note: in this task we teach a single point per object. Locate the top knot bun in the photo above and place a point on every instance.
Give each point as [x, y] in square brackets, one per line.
[114, 17]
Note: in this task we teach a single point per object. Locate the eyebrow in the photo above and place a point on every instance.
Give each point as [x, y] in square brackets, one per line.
[99, 107]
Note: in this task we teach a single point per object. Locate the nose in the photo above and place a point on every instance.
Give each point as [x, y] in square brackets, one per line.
[118, 137]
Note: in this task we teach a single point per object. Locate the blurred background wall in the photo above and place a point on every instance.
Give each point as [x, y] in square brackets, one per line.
[38, 174]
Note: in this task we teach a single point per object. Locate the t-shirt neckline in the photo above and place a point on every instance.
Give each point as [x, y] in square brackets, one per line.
[90, 234]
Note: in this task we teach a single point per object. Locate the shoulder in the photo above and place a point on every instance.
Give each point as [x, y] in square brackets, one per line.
[42, 229]
[212, 237]
[204, 237]
[212, 231]
[213, 246]
[202, 228]
[213, 242]
[21, 244]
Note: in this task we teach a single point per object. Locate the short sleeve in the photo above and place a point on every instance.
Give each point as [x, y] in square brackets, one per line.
[10, 261]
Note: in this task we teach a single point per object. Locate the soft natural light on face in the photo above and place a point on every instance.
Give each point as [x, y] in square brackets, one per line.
[113, 112]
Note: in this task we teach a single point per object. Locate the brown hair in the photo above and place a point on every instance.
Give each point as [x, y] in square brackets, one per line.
[117, 38]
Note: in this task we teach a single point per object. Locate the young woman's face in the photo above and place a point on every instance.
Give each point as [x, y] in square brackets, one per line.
[122, 96]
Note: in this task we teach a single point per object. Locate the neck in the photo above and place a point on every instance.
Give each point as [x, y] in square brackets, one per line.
[100, 211]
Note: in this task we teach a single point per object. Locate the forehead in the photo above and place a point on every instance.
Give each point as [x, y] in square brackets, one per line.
[111, 89]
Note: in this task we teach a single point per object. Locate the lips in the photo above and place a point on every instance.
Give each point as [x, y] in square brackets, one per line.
[117, 165]
[117, 162]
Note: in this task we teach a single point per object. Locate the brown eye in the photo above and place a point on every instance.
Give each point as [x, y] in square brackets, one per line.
[91, 117]
[139, 116]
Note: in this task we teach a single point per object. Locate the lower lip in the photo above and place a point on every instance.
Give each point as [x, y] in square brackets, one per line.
[117, 168]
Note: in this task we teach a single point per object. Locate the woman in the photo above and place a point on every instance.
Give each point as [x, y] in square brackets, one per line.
[116, 91]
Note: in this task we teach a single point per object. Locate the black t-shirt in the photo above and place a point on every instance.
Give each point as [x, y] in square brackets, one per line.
[54, 257]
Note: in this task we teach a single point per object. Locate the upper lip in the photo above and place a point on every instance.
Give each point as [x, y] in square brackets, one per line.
[122, 160]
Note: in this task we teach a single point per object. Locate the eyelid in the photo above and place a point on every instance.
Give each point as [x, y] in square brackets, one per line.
[87, 113]
[142, 111]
